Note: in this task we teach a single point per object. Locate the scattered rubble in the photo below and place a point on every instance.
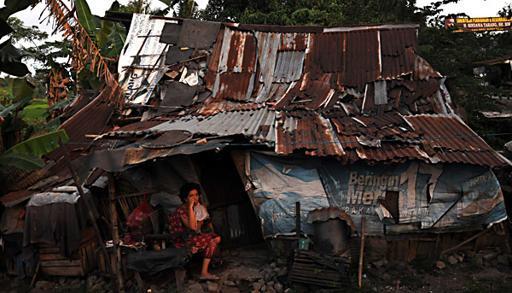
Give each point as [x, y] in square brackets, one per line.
[258, 275]
[440, 264]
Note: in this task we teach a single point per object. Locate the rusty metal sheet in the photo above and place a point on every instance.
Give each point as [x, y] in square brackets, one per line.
[167, 139]
[92, 119]
[423, 70]
[241, 55]
[215, 107]
[447, 132]
[198, 34]
[176, 55]
[256, 124]
[235, 86]
[214, 57]
[176, 94]
[330, 51]
[311, 133]
[140, 125]
[397, 51]
[170, 33]
[293, 42]
[430, 138]
[288, 67]
[483, 158]
[391, 153]
[268, 43]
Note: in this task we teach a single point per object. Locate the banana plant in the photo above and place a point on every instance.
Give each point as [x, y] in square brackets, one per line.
[108, 35]
[28, 154]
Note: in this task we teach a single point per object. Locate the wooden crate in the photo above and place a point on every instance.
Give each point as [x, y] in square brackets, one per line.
[79, 264]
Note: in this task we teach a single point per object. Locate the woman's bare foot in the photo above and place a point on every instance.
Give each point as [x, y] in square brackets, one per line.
[209, 277]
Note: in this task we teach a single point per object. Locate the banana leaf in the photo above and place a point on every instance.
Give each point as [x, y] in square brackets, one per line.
[39, 145]
[5, 111]
[87, 20]
[110, 38]
[20, 161]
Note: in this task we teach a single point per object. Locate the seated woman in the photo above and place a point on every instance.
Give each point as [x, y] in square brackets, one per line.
[187, 230]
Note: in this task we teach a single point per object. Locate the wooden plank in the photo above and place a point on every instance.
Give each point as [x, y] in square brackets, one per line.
[51, 256]
[61, 263]
[58, 271]
[301, 279]
[49, 249]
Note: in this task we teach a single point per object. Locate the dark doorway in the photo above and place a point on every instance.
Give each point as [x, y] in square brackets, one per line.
[229, 205]
[391, 204]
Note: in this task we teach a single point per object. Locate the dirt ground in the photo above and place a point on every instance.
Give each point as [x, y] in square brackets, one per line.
[468, 275]
[256, 270]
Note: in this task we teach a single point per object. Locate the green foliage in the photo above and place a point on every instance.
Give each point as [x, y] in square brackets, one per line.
[27, 154]
[314, 12]
[87, 20]
[109, 36]
[23, 33]
[36, 113]
[41, 145]
[15, 91]
[454, 55]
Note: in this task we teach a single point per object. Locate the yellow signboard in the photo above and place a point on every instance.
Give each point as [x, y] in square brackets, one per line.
[478, 24]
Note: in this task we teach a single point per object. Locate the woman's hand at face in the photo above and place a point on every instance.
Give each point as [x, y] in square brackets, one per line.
[192, 201]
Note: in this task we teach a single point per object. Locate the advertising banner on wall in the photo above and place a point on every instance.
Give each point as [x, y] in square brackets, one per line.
[407, 197]
[478, 24]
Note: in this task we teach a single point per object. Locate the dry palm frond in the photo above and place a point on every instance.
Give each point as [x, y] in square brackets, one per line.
[85, 51]
[57, 87]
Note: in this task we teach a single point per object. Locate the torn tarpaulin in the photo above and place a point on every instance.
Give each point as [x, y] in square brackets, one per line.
[118, 160]
[279, 184]
[426, 197]
[407, 197]
[55, 219]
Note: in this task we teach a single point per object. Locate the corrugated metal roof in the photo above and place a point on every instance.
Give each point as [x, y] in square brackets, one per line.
[311, 133]
[328, 92]
[289, 66]
[390, 137]
[257, 124]
[262, 64]
[447, 132]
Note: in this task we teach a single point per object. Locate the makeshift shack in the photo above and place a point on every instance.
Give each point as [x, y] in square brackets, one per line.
[266, 116]
[345, 117]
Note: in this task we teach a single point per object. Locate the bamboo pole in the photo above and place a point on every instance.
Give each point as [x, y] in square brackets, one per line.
[116, 259]
[86, 202]
[361, 254]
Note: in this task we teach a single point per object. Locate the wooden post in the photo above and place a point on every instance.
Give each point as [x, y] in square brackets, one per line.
[86, 202]
[116, 259]
[297, 223]
[361, 254]
[297, 219]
